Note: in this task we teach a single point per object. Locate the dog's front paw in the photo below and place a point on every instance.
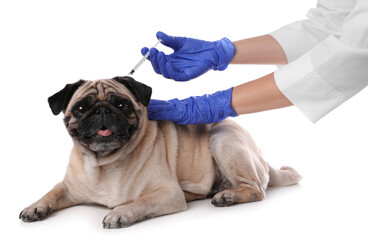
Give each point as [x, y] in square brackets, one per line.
[35, 212]
[119, 217]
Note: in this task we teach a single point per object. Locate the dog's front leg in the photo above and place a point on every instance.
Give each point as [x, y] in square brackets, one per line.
[57, 198]
[161, 202]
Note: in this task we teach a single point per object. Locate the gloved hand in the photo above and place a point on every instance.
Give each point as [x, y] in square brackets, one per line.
[191, 57]
[194, 110]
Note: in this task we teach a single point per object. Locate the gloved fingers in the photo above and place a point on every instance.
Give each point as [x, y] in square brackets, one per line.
[175, 74]
[159, 105]
[159, 110]
[153, 59]
[144, 51]
[161, 59]
[158, 116]
[173, 42]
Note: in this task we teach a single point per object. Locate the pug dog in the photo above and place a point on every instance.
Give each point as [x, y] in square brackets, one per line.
[142, 169]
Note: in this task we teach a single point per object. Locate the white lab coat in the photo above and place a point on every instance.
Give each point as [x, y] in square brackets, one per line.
[327, 55]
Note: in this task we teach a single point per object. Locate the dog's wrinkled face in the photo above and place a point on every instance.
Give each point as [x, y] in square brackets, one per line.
[102, 125]
[102, 115]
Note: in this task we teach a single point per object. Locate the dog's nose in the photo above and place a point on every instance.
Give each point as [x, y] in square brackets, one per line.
[102, 111]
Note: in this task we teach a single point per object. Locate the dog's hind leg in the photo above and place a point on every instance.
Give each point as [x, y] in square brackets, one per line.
[240, 163]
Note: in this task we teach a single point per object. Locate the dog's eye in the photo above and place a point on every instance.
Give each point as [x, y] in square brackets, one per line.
[123, 107]
[79, 110]
[82, 106]
[121, 103]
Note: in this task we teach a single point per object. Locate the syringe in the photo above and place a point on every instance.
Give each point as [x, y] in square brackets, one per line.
[143, 58]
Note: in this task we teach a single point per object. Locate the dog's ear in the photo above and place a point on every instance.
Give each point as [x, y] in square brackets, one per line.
[141, 91]
[59, 101]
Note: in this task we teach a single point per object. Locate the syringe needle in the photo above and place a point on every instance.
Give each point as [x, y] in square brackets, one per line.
[143, 58]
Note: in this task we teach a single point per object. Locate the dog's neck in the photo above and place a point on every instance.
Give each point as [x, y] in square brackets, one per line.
[104, 155]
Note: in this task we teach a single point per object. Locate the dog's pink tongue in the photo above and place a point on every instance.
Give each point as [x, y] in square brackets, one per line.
[105, 133]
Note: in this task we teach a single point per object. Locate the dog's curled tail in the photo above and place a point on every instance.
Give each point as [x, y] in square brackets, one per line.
[284, 177]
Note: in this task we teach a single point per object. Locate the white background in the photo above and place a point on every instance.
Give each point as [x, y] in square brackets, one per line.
[46, 44]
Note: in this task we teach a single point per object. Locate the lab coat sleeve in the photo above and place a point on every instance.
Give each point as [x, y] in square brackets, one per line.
[333, 70]
[326, 19]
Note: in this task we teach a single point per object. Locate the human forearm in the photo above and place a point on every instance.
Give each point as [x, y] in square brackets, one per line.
[258, 95]
[255, 96]
[258, 50]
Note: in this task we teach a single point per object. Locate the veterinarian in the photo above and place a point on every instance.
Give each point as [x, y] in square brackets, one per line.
[325, 60]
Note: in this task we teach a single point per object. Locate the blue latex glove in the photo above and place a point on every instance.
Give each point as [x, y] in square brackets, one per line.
[193, 110]
[191, 57]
